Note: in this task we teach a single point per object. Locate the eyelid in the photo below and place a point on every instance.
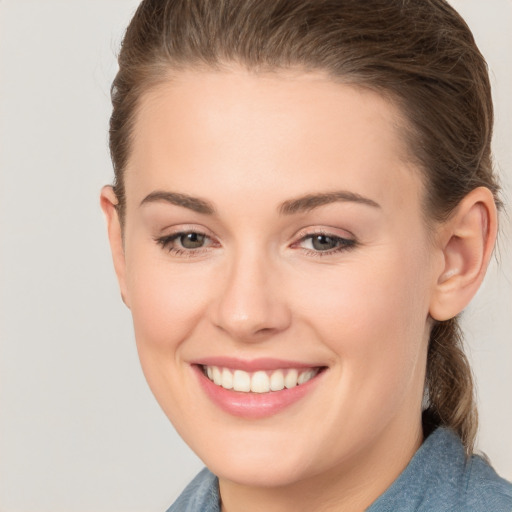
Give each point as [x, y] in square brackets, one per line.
[173, 229]
[323, 230]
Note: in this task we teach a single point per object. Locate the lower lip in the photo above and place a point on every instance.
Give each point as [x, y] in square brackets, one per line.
[254, 405]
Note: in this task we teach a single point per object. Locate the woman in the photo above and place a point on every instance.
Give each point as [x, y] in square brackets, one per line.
[304, 202]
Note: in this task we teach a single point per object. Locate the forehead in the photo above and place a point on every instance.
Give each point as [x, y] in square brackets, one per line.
[278, 131]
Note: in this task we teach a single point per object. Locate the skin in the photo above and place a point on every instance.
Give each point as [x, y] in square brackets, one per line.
[248, 143]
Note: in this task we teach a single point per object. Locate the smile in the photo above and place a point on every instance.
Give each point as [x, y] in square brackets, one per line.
[256, 389]
[259, 381]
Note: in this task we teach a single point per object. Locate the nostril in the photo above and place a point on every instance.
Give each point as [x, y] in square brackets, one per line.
[265, 330]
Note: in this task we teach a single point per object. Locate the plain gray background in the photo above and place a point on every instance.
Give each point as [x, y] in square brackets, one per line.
[79, 429]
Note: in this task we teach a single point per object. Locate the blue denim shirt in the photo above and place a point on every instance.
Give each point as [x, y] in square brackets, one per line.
[439, 478]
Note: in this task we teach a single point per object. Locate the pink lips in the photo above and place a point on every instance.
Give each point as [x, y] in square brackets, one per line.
[253, 405]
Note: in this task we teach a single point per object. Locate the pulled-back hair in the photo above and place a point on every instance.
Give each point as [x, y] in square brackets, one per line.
[419, 53]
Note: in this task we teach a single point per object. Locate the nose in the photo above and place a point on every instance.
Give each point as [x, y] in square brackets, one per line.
[251, 304]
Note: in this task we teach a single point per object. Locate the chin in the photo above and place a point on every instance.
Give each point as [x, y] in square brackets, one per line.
[277, 470]
[260, 455]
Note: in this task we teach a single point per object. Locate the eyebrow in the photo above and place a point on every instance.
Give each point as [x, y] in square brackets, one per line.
[184, 200]
[312, 201]
[301, 204]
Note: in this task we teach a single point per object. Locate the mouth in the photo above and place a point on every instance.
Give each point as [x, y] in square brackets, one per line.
[261, 381]
[257, 389]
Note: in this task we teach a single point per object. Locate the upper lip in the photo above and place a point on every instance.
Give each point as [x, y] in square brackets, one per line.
[253, 365]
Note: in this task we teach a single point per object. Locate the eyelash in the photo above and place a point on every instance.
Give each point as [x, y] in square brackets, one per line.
[343, 244]
[167, 243]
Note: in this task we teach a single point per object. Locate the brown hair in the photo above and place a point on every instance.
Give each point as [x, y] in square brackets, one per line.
[420, 53]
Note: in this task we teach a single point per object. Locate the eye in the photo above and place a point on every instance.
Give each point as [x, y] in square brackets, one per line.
[185, 242]
[192, 240]
[322, 243]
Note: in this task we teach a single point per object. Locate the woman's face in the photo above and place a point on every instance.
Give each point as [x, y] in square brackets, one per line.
[274, 237]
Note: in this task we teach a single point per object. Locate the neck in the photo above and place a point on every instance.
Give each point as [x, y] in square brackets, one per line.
[352, 486]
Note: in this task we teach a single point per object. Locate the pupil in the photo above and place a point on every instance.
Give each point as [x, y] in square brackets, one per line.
[192, 240]
[323, 243]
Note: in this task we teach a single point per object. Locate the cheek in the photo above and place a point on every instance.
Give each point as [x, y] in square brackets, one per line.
[379, 296]
[166, 301]
[374, 321]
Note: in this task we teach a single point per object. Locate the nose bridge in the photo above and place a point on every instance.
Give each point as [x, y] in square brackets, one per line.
[250, 302]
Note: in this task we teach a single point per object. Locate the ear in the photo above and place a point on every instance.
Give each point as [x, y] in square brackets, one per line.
[108, 202]
[467, 241]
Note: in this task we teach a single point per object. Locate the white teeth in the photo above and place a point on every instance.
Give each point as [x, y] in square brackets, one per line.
[260, 381]
[290, 380]
[305, 376]
[217, 376]
[241, 381]
[277, 380]
[227, 379]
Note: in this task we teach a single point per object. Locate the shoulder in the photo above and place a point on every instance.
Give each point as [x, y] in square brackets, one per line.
[440, 477]
[200, 495]
[471, 482]
[484, 489]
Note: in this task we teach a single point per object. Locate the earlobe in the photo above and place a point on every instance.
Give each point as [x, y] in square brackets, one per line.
[108, 202]
[467, 241]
